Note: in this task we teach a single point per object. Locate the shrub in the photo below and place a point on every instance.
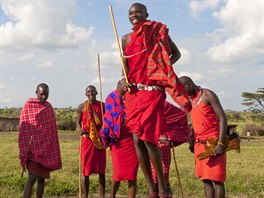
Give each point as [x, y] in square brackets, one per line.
[66, 125]
[254, 130]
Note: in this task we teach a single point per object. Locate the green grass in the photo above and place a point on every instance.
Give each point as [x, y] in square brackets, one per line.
[245, 171]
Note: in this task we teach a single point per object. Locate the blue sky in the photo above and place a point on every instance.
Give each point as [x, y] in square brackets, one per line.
[57, 42]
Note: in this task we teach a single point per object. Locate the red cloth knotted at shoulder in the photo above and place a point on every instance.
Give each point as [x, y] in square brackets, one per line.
[159, 68]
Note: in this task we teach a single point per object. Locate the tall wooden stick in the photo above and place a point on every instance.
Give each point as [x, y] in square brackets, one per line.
[176, 167]
[80, 168]
[118, 44]
[29, 144]
[100, 81]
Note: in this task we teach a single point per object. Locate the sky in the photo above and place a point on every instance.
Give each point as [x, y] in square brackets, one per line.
[58, 42]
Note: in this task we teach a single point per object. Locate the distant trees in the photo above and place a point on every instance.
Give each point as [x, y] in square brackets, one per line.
[254, 101]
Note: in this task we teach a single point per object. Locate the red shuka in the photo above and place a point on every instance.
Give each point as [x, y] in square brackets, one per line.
[206, 125]
[124, 158]
[37, 119]
[93, 159]
[144, 109]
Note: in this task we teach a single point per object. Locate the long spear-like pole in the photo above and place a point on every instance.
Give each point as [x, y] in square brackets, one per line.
[176, 167]
[80, 167]
[118, 43]
[100, 81]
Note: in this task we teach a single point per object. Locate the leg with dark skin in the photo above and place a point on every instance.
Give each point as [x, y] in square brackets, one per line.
[132, 188]
[40, 187]
[155, 157]
[85, 185]
[219, 189]
[209, 188]
[102, 185]
[114, 187]
[144, 161]
[32, 177]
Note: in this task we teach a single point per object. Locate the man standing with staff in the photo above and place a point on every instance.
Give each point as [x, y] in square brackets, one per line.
[149, 54]
[93, 154]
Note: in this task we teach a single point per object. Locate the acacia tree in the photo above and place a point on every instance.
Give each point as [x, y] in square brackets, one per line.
[254, 101]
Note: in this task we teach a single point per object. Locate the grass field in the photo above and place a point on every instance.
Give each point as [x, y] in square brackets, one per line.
[245, 171]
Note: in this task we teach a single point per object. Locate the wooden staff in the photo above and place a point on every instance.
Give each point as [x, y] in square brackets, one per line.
[118, 44]
[100, 81]
[80, 168]
[176, 167]
[29, 144]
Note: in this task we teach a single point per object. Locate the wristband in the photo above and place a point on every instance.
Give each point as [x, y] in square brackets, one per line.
[220, 143]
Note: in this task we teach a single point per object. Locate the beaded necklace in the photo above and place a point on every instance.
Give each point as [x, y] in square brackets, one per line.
[199, 97]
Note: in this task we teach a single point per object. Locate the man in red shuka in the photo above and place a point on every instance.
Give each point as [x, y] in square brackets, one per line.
[208, 122]
[39, 149]
[93, 155]
[149, 54]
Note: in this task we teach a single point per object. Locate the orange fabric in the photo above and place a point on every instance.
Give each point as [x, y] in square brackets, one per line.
[212, 168]
[206, 125]
[92, 121]
[204, 120]
[93, 159]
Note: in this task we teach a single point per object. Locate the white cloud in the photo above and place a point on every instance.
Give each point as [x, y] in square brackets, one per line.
[223, 94]
[220, 73]
[42, 24]
[196, 7]
[242, 36]
[196, 77]
[26, 57]
[46, 65]
[186, 57]
[5, 100]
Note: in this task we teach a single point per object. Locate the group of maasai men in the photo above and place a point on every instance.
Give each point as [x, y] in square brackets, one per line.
[136, 122]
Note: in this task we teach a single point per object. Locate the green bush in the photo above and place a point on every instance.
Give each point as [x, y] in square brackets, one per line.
[68, 125]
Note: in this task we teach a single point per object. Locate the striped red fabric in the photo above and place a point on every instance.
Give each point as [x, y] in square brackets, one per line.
[155, 38]
[38, 169]
[166, 161]
[178, 129]
[38, 120]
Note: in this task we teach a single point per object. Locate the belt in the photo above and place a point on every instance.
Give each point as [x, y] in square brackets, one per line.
[149, 88]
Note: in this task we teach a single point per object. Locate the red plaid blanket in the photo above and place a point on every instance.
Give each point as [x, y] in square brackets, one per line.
[155, 37]
[178, 128]
[38, 120]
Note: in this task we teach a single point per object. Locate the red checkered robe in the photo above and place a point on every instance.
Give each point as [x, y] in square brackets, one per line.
[93, 159]
[178, 132]
[159, 68]
[206, 125]
[38, 120]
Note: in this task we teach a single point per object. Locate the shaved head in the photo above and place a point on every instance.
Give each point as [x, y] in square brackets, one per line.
[42, 92]
[142, 6]
[186, 79]
[42, 86]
